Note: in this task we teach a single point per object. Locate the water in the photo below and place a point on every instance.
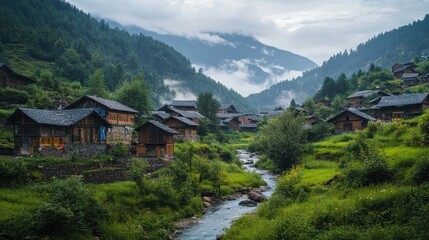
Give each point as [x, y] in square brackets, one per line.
[216, 219]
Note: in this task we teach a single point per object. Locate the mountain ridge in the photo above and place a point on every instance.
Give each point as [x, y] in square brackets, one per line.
[394, 46]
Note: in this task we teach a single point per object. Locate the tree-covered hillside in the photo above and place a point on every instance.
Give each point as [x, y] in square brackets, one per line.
[396, 46]
[55, 36]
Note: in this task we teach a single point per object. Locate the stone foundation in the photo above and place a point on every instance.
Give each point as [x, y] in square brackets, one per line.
[84, 150]
[119, 134]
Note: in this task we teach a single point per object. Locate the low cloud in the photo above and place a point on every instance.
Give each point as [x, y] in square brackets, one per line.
[180, 92]
[236, 74]
[315, 29]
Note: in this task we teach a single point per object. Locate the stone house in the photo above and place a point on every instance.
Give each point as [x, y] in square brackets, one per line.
[155, 139]
[350, 120]
[120, 116]
[186, 128]
[11, 79]
[57, 132]
[403, 106]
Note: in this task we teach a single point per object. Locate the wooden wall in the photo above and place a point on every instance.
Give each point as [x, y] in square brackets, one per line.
[154, 141]
[350, 122]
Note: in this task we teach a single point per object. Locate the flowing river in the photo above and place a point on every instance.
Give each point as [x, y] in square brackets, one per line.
[216, 219]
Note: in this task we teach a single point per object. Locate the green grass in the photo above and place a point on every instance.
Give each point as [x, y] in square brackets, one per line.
[16, 202]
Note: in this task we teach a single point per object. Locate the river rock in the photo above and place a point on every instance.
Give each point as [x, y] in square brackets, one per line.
[256, 197]
[248, 203]
[207, 205]
[207, 199]
[265, 188]
[244, 190]
[248, 162]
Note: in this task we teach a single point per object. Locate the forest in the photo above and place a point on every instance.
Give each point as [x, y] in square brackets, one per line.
[57, 37]
[381, 50]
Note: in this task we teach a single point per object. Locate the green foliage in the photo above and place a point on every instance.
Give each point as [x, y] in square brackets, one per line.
[266, 163]
[96, 86]
[420, 171]
[15, 96]
[424, 125]
[319, 130]
[135, 94]
[119, 149]
[208, 106]
[283, 139]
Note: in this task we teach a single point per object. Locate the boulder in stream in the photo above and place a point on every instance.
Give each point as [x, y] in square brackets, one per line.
[256, 197]
[248, 203]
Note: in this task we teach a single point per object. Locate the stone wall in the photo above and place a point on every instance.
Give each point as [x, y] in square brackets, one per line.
[84, 150]
[119, 134]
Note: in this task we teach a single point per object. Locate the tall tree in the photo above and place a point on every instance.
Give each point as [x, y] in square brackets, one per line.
[283, 139]
[135, 94]
[96, 84]
[208, 106]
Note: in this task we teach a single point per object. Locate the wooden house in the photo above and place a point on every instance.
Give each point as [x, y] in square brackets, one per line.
[120, 116]
[185, 105]
[403, 106]
[399, 69]
[248, 118]
[58, 131]
[410, 79]
[350, 120]
[356, 100]
[227, 108]
[312, 120]
[155, 139]
[233, 123]
[11, 79]
[186, 128]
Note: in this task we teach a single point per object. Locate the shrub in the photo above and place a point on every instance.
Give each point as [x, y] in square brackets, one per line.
[367, 168]
[266, 163]
[421, 170]
[371, 129]
[119, 149]
[70, 209]
[287, 187]
[358, 146]
[15, 96]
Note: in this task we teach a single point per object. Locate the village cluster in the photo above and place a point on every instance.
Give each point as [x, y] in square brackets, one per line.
[89, 124]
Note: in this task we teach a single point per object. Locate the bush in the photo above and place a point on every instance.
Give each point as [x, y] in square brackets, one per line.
[287, 187]
[367, 168]
[14, 96]
[70, 209]
[119, 149]
[266, 163]
[421, 170]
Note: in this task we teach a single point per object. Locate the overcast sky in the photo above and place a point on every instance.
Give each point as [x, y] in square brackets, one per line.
[315, 29]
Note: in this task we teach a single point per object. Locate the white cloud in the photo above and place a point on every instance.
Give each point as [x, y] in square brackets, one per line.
[313, 28]
[181, 93]
[235, 74]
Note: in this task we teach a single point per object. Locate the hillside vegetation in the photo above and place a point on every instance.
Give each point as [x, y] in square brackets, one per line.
[57, 37]
[368, 185]
[397, 46]
[145, 207]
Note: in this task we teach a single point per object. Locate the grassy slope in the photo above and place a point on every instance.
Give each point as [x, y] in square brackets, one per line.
[131, 214]
[332, 210]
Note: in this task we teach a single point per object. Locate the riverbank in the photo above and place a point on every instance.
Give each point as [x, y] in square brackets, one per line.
[221, 216]
[369, 185]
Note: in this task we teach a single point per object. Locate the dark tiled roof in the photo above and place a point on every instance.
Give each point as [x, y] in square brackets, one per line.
[404, 66]
[361, 114]
[397, 101]
[159, 125]
[185, 121]
[228, 115]
[161, 114]
[355, 112]
[58, 117]
[248, 125]
[184, 103]
[113, 105]
[230, 119]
